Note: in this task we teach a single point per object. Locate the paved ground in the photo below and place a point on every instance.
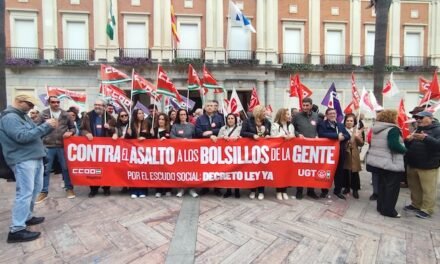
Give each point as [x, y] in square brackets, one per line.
[118, 229]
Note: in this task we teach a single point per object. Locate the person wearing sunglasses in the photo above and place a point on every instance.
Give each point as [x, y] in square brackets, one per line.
[423, 162]
[54, 143]
[23, 150]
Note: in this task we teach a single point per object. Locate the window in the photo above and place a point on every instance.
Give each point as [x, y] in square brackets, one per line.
[369, 47]
[75, 37]
[239, 43]
[334, 52]
[136, 40]
[413, 49]
[189, 46]
[24, 36]
[293, 47]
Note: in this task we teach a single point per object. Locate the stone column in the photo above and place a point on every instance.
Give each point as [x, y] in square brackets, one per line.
[271, 93]
[394, 34]
[261, 92]
[261, 29]
[434, 37]
[50, 25]
[315, 31]
[167, 46]
[156, 50]
[355, 28]
[220, 53]
[210, 30]
[271, 32]
[100, 16]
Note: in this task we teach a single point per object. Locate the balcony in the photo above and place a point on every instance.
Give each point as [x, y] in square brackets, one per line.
[241, 55]
[415, 61]
[335, 59]
[75, 54]
[188, 54]
[296, 58]
[368, 60]
[134, 53]
[24, 53]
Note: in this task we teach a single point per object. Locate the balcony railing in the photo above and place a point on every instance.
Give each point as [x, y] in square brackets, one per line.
[134, 53]
[335, 59]
[241, 55]
[294, 58]
[415, 61]
[24, 53]
[76, 54]
[368, 60]
[188, 54]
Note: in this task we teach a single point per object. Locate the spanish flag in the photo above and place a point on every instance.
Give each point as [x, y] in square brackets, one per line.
[174, 25]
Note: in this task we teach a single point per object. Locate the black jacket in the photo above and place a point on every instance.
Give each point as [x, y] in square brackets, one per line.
[425, 154]
[249, 128]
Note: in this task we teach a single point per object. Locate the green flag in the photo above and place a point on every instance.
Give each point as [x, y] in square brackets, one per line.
[111, 24]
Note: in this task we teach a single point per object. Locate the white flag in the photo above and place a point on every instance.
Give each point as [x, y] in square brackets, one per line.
[235, 105]
[238, 18]
[390, 88]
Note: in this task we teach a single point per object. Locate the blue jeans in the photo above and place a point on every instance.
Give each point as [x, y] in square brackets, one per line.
[29, 180]
[51, 154]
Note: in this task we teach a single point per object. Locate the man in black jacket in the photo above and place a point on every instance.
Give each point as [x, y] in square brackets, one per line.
[423, 162]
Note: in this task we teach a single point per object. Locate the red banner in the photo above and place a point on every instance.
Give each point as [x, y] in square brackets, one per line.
[244, 163]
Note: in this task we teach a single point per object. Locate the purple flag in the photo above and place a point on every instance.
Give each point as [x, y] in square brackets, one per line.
[142, 107]
[43, 98]
[331, 101]
[182, 105]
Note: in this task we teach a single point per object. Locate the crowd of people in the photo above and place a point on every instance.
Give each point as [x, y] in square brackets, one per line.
[29, 136]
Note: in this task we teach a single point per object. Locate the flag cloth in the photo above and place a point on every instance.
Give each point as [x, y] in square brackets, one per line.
[402, 119]
[426, 86]
[235, 105]
[43, 98]
[373, 100]
[423, 85]
[77, 97]
[193, 79]
[182, 105]
[174, 25]
[331, 101]
[390, 88]
[115, 96]
[111, 23]
[144, 109]
[112, 75]
[365, 104]
[354, 92]
[142, 86]
[254, 100]
[165, 86]
[434, 108]
[238, 18]
[349, 109]
[296, 89]
[209, 82]
[434, 87]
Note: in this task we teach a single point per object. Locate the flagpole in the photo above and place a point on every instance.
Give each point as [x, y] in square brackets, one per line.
[429, 98]
[47, 93]
[131, 95]
[228, 34]
[187, 99]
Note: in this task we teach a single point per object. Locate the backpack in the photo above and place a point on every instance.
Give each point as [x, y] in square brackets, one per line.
[5, 171]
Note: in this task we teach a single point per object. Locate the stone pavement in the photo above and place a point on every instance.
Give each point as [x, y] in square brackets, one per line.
[118, 229]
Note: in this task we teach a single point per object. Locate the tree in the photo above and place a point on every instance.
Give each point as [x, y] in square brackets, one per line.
[2, 56]
[380, 43]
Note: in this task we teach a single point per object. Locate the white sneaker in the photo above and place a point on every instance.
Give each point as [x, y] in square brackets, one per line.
[285, 196]
[134, 196]
[168, 194]
[252, 195]
[180, 193]
[142, 196]
[193, 193]
[279, 196]
[158, 195]
[260, 196]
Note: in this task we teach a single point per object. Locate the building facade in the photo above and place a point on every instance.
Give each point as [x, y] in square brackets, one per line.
[63, 42]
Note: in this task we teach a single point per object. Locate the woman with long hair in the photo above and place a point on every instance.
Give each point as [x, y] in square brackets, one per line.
[162, 131]
[385, 157]
[120, 131]
[352, 163]
[256, 127]
[230, 132]
[172, 114]
[182, 129]
[282, 127]
[138, 129]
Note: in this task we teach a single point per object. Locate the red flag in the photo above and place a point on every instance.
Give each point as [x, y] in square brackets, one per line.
[355, 94]
[425, 98]
[423, 85]
[174, 25]
[116, 95]
[254, 100]
[269, 109]
[193, 79]
[112, 75]
[402, 119]
[140, 85]
[434, 87]
[78, 97]
[296, 89]
[165, 86]
[209, 82]
[306, 91]
[349, 108]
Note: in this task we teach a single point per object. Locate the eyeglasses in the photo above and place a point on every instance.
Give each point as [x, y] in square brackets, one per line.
[55, 102]
[31, 105]
[123, 115]
[418, 117]
[98, 105]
